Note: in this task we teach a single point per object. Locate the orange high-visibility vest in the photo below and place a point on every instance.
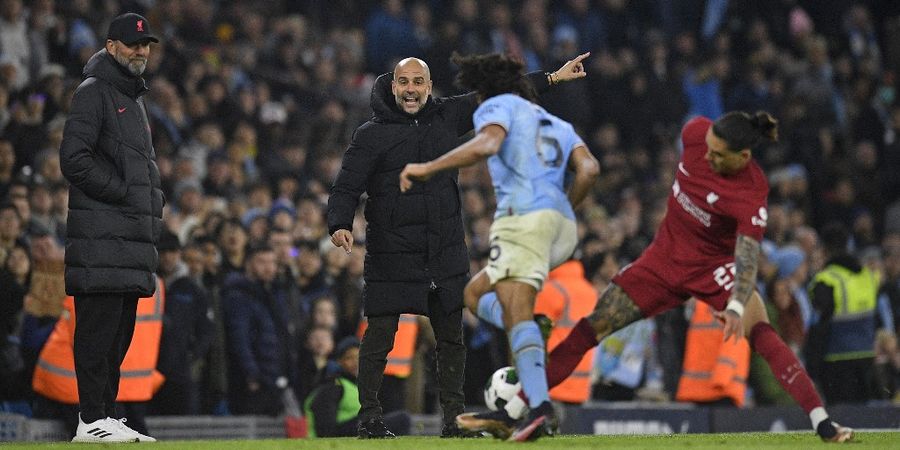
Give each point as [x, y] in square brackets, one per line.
[567, 297]
[713, 369]
[399, 359]
[54, 374]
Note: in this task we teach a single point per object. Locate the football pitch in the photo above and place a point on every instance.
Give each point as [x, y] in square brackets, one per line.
[731, 441]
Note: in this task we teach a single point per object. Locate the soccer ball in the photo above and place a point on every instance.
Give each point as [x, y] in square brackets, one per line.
[502, 391]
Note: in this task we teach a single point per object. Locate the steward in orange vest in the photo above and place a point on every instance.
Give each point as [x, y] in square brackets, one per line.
[713, 369]
[566, 297]
[54, 374]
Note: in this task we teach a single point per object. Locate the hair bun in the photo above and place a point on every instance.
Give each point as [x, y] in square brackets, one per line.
[766, 125]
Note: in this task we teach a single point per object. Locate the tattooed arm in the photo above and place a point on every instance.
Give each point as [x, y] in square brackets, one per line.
[746, 263]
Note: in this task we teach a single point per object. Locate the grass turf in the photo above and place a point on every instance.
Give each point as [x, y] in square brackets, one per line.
[731, 441]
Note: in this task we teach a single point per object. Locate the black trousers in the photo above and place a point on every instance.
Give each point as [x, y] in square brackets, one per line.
[104, 325]
[451, 360]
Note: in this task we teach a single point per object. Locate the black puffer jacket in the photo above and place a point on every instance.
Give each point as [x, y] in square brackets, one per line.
[414, 241]
[115, 200]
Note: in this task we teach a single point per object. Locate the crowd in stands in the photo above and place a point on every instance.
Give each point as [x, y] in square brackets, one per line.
[252, 104]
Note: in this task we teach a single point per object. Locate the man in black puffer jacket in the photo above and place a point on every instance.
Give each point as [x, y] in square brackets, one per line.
[114, 222]
[416, 259]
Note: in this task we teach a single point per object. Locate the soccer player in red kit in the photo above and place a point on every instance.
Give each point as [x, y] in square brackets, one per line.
[706, 247]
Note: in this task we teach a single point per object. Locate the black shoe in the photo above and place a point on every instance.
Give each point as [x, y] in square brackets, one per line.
[830, 431]
[452, 430]
[540, 421]
[373, 429]
[497, 423]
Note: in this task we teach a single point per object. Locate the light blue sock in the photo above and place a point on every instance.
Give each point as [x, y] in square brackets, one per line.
[490, 309]
[528, 350]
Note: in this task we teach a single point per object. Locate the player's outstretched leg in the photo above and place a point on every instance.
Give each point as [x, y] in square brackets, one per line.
[497, 423]
[614, 310]
[789, 372]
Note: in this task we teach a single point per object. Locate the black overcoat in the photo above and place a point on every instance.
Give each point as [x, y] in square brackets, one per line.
[115, 200]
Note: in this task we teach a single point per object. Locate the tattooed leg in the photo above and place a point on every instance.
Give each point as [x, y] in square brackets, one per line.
[614, 310]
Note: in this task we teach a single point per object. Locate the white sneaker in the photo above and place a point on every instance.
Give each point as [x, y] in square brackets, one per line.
[102, 430]
[140, 437]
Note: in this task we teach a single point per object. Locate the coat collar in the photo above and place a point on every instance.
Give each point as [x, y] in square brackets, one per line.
[103, 66]
[385, 107]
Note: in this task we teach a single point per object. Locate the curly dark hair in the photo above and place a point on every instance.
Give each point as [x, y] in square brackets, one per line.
[492, 74]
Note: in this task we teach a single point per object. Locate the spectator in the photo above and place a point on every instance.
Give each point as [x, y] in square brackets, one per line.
[15, 274]
[186, 334]
[841, 344]
[10, 229]
[261, 333]
[232, 240]
[332, 408]
[14, 43]
[390, 36]
[315, 364]
[7, 165]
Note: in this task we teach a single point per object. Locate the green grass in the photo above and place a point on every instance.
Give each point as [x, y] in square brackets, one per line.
[733, 441]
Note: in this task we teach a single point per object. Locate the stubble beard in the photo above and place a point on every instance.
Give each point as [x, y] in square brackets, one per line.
[136, 67]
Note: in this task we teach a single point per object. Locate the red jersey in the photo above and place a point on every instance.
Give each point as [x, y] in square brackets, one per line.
[692, 254]
[707, 211]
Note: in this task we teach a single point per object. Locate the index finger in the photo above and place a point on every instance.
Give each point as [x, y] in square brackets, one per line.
[580, 57]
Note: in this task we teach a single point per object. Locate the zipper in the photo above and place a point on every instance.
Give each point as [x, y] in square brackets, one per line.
[432, 286]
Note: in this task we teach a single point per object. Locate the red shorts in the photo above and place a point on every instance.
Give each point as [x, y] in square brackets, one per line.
[657, 285]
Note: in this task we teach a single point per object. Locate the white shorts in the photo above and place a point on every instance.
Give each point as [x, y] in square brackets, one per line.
[526, 247]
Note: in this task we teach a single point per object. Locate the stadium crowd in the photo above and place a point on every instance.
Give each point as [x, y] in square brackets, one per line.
[252, 104]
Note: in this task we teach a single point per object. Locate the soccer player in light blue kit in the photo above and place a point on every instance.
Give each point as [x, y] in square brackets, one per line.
[531, 155]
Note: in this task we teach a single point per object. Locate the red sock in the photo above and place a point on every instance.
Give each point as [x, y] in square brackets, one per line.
[787, 369]
[566, 356]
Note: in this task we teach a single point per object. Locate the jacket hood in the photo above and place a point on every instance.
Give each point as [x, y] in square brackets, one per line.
[385, 107]
[103, 66]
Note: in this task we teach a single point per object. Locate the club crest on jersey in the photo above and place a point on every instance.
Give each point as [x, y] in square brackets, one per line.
[761, 219]
[711, 198]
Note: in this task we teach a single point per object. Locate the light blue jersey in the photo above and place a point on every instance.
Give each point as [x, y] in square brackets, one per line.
[529, 170]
